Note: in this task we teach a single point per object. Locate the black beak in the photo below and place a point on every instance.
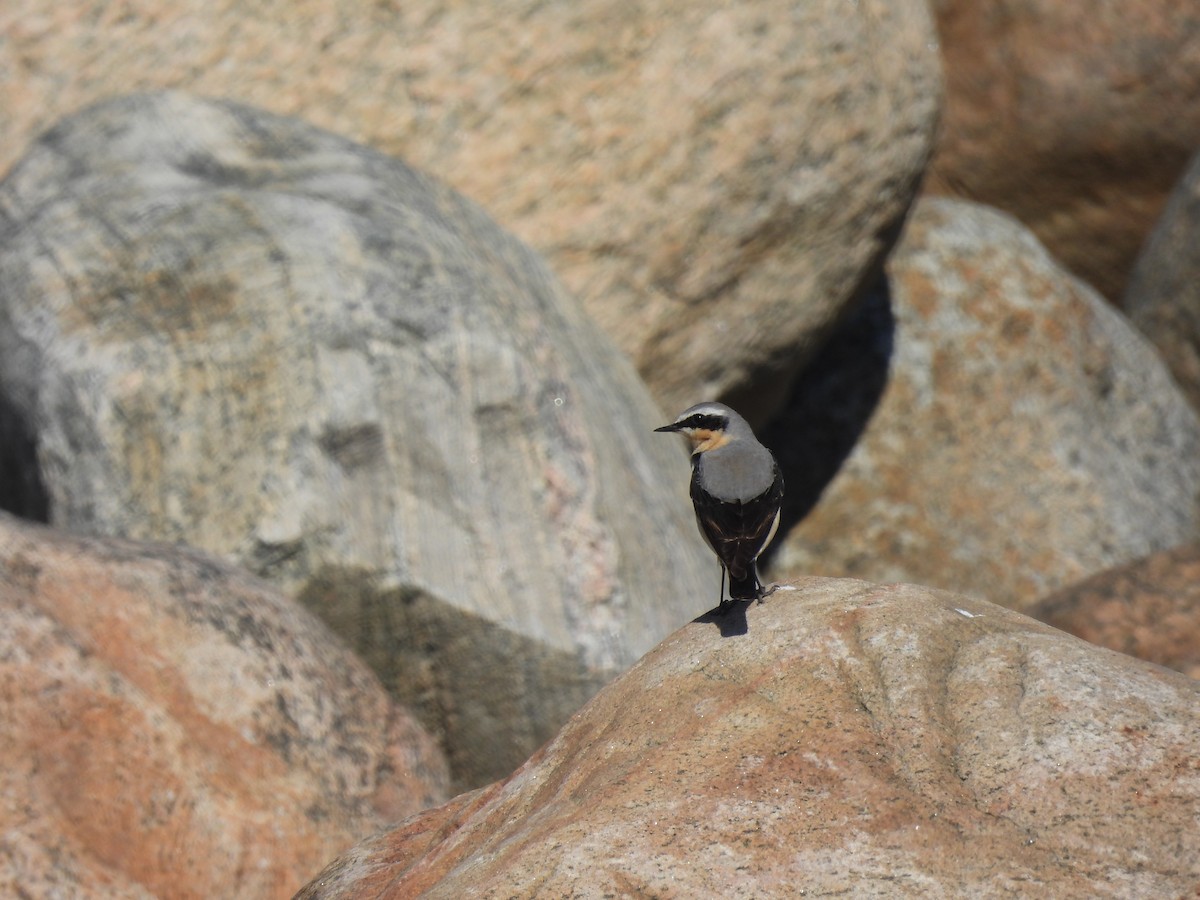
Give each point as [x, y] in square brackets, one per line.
[672, 427]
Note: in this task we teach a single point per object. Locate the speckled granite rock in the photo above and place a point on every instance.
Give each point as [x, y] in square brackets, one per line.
[1149, 608]
[1026, 435]
[175, 727]
[874, 741]
[711, 179]
[1076, 118]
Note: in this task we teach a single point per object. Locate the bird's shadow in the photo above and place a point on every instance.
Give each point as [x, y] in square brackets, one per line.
[730, 618]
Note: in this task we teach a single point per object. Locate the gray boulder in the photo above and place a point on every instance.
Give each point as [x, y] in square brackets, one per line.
[1163, 296]
[229, 328]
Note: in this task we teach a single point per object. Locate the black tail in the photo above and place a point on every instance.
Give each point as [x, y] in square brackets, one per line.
[746, 587]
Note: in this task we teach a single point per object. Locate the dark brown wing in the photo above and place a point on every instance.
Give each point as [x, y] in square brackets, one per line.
[738, 532]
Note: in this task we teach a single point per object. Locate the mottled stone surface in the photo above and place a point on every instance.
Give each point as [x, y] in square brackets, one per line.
[1026, 436]
[874, 741]
[711, 179]
[174, 727]
[232, 329]
[1149, 608]
[1163, 298]
[1075, 117]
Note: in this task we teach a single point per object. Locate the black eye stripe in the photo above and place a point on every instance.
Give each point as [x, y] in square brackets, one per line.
[706, 421]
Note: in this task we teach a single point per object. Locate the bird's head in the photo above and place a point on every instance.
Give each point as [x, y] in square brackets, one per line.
[706, 425]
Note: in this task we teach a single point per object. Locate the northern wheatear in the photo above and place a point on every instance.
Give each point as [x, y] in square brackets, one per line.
[737, 490]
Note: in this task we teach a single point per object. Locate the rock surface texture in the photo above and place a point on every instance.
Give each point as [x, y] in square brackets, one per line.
[1027, 434]
[177, 728]
[231, 329]
[874, 741]
[1149, 608]
[1076, 118]
[711, 179]
[1163, 298]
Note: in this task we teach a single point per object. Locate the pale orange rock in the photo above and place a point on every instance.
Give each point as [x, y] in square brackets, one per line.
[177, 728]
[866, 740]
[1075, 117]
[710, 179]
[1025, 434]
[1149, 608]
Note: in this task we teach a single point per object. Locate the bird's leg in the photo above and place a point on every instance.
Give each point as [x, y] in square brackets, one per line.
[721, 594]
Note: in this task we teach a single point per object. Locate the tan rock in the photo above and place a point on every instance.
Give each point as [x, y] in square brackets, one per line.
[1149, 608]
[711, 179]
[1075, 117]
[176, 728]
[1026, 436]
[1163, 297]
[234, 330]
[874, 741]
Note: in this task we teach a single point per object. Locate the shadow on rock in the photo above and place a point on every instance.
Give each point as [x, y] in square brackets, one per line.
[22, 492]
[830, 405]
[730, 620]
[491, 695]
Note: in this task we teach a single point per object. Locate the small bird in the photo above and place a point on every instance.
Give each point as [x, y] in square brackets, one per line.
[737, 490]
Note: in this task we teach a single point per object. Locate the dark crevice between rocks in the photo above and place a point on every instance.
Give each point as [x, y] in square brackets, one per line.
[22, 492]
[830, 404]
